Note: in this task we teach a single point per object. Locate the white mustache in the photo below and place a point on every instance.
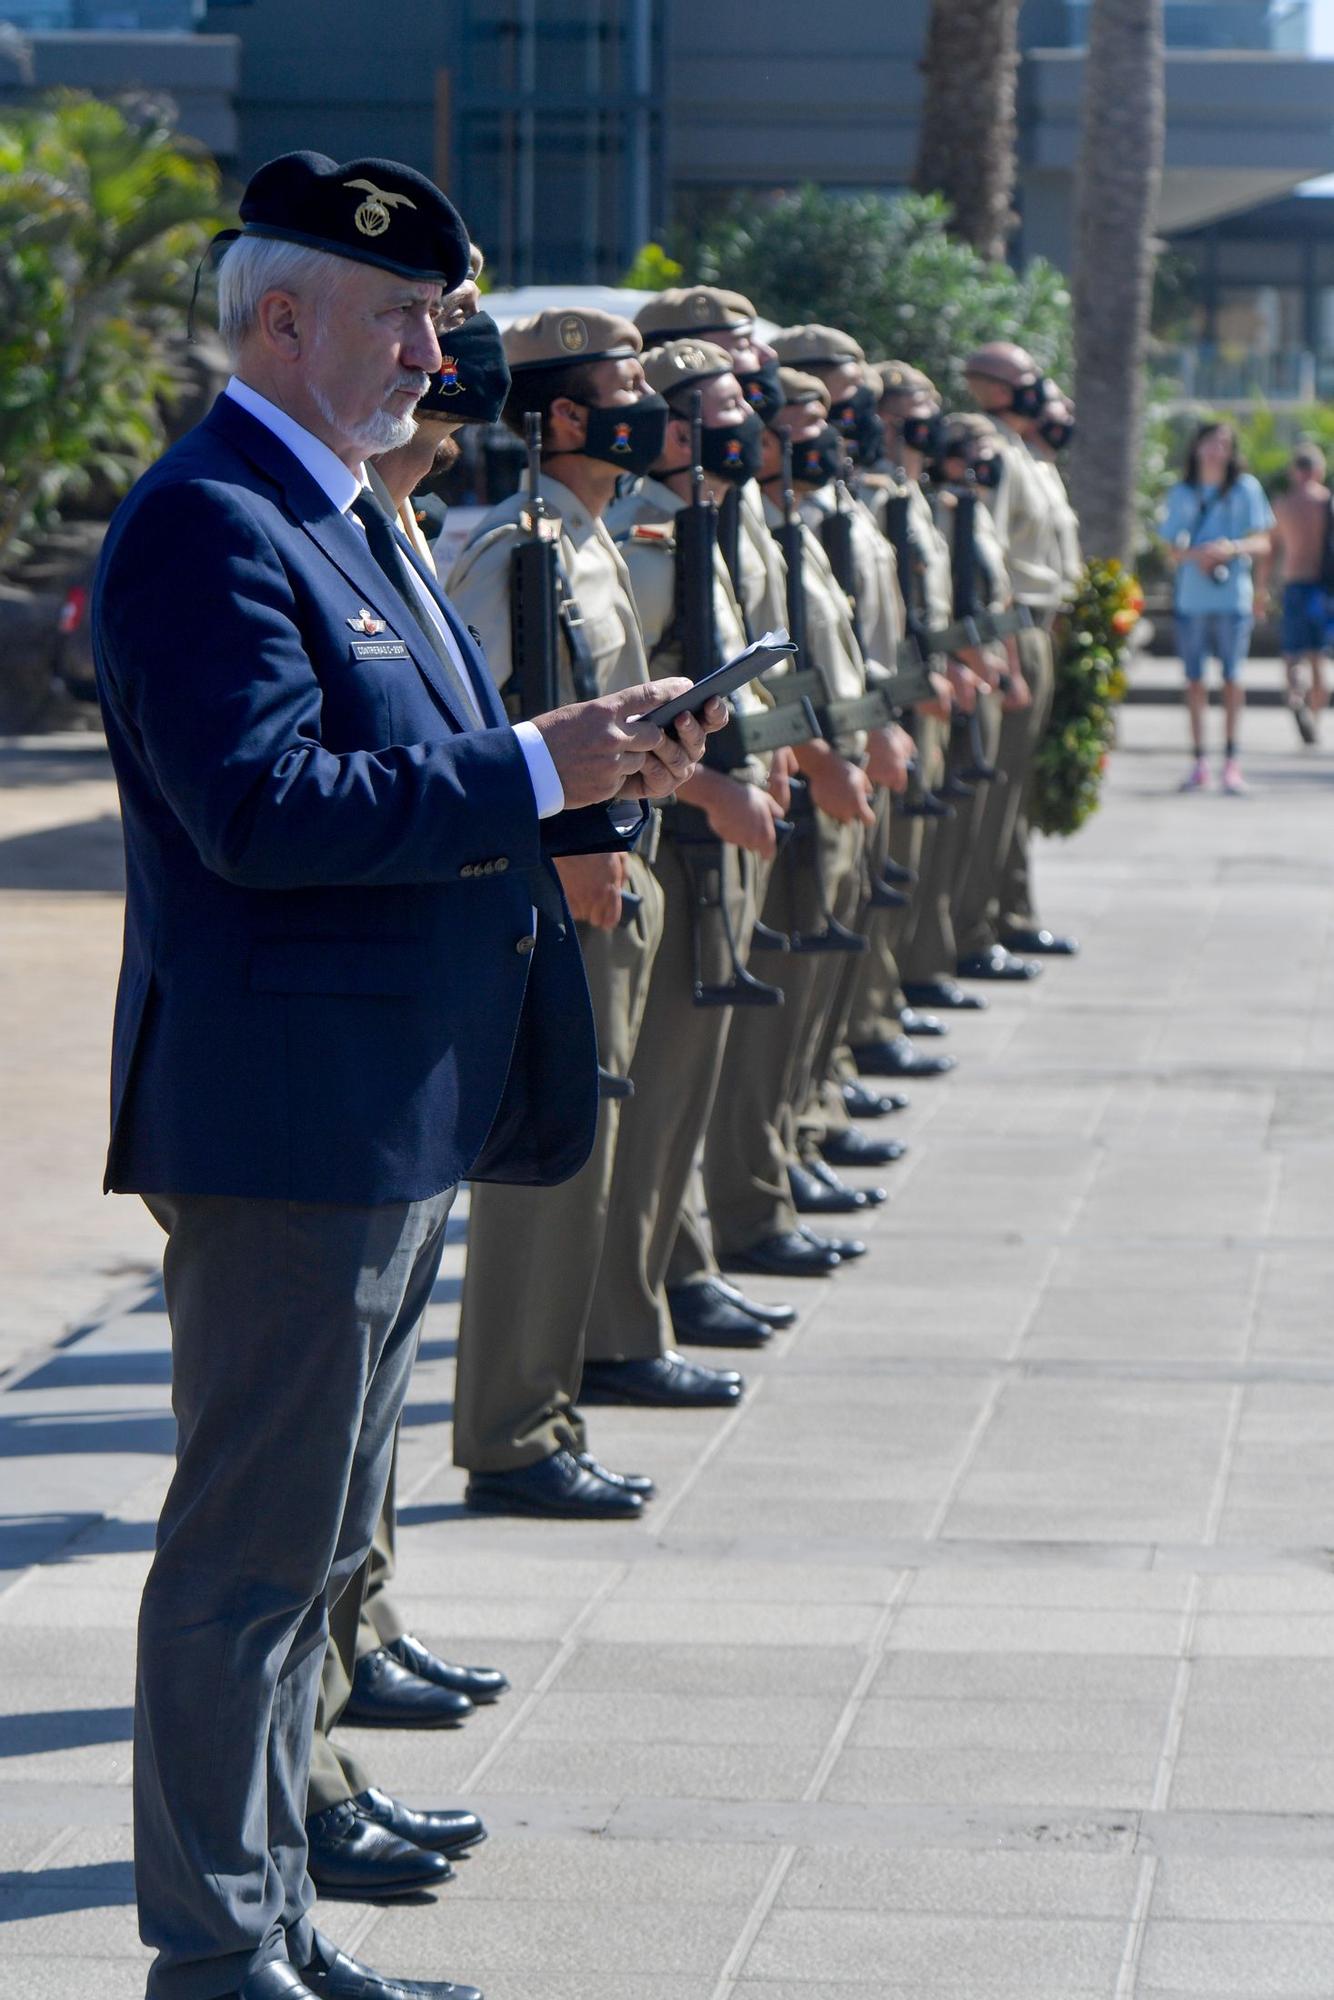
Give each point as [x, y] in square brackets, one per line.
[415, 379]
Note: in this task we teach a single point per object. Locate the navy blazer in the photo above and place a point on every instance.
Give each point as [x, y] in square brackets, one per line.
[329, 990]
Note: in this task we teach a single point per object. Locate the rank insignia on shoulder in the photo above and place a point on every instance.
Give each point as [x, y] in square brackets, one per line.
[363, 622]
[654, 534]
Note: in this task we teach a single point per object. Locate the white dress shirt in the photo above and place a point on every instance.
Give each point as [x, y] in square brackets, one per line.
[342, 487]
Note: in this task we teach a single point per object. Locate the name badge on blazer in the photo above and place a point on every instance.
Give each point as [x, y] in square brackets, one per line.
[379, 649]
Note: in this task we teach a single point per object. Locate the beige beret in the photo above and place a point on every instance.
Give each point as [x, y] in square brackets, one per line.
[681, 311]
[681, 362]
[799, 346]
[1002, 361]
[560, 337]
[962, 424]
[799, 388]
[900, 378]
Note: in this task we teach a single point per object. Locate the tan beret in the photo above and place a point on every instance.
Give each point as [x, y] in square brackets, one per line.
[799, 388]
[1002, 361]
[681, 362]
[968, 424]
[559, 337]
[681, 311]
[799, 346]
[900, 378]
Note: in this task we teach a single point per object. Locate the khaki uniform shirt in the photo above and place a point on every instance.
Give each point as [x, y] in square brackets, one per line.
[1026, 522]
[833, 643]
[1070, 556]
[643, 525]
[763, 571]
[875, 578]
[479, 588]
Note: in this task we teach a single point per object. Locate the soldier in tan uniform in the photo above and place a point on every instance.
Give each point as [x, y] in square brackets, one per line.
[753, 1177]
[523, 1319]
[1020, 927]
[1005, 382]
[716, 848]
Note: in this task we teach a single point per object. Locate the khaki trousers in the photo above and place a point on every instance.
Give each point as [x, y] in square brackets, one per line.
[675, 1071]
[772, 1054]
[1017, 908]
[978, 918]
[533, 1253]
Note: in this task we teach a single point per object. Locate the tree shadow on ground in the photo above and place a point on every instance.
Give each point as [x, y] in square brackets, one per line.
[63, 1729]
[87, 855]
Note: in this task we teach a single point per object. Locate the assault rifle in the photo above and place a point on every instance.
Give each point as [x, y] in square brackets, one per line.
[963, 575]
[541, 610]
[921, 802]
[703, 855]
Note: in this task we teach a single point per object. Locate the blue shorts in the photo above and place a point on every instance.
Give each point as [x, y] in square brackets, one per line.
[1224, 636]
[1305, 618]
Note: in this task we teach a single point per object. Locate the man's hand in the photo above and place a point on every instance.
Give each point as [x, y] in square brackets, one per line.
[964, 686]
[781, 773]
[889, 752]
[601, 751]
[593, 885]
[740, 814]
[838, 788]
[1018, 695]
[940, 708]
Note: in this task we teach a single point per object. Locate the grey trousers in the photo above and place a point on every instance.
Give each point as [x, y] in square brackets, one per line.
[294, 1328]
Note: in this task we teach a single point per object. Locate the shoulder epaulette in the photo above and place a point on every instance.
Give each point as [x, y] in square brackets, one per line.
[649, 535]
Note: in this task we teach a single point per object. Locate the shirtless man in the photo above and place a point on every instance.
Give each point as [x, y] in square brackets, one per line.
[1303, 519]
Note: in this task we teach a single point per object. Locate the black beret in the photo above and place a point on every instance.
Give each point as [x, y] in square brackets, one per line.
[373, 211]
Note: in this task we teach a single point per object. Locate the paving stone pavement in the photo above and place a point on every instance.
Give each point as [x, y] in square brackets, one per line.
[983, 1655]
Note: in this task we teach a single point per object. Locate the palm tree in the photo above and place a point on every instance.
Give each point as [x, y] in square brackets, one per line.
[966, 147]
[1120, 171]
[104, 210]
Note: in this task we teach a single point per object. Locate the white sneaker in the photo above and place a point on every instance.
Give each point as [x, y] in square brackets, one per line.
[1197, 778]
[1232, 779]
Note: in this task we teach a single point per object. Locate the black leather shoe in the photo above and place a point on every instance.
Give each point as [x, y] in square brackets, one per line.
[997, 963]
[387, 1696]
[788, 1254]
[824, 1173]
[480, 1684]
[702, 1317]
[925, 1026]
[899, 1058]
[557, 1486]
[667, 1381]
[850, 1148]
[777, 1317]
[947, 994]
[637, 1483]
[352, 1856]
[439, 1832]
[1045, 944]
[812, 1194]
[276, 1981]
[845, 1248]
[860, 1101]
[332, 1975]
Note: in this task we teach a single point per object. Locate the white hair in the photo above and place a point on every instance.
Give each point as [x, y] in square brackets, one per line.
[254, 265]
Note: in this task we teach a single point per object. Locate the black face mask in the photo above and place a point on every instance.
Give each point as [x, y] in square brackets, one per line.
[474, 377]
[924, 434]
[987, 473]
[857, 422]
[763, 391]
[820, 459]
[629, 436]
[1031, 398]
[732, 451]
[1057, 433]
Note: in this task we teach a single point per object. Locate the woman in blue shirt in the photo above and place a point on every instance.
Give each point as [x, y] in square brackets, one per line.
[1215, 521]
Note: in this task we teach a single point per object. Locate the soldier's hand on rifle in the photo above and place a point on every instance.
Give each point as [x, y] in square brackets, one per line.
[740, 814]
[593, 885]
[838, 788]
[781, 772]
[964, 685]
[941, 707]
[889, 752]
[602, 752]
[1017, 695]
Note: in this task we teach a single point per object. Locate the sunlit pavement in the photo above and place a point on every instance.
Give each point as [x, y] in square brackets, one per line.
[983, 1655]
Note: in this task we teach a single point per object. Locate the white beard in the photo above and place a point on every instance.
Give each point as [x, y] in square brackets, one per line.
[381, 432]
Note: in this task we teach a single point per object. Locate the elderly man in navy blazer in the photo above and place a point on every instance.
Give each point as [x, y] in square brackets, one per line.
[347, 984]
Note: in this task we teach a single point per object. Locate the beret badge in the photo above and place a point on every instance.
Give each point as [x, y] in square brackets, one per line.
[573, 334]
[373, 217]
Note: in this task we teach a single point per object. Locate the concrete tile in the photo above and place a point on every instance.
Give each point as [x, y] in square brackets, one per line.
[945, 1883]
[1037, 1629]
[810, 1944]
[721, 1624]
[1116, 1727]
[636, 1940]
[710, 1670]
[656, 1770]
[1226, 1959]
[1052, 1677]
[986, 1776]
[1253, 1890]
[676, 1718]
[1253, 1784]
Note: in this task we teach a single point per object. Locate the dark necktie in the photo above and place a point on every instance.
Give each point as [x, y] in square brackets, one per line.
[383, 545]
